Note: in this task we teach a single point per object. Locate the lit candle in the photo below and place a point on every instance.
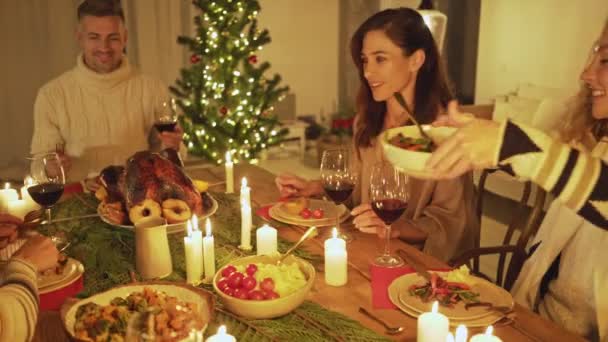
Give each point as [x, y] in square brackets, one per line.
[461, 334]
[245, 192]
[266, 240]
[432, 326]
[487, 337]
[193, 245]
[6, 195]
[246, 220]
[450, 338]
[209, 252]
[221, 336]
[229, 174]
[18, 208]
[25, 195]
[336, 262]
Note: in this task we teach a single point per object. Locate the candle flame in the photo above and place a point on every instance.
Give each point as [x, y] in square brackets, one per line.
[244, 182]
[489, 330]
[7, 185]
[228, 157]
[189, 228]
[461, 333]
[334, 233]
[450, 338]
[28, 181]
[208, 227]
[435, 307]
[195, 223]
[221, 330]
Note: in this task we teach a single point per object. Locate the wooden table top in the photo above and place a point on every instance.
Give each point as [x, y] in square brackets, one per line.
[528, 326]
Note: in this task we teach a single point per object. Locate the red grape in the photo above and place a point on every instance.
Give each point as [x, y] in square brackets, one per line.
[318, 213]
[267, 284]
[228, 270]
[240, 293]
[222, 283]
[251, 269]
[256, 295]
[235, 279]
[270, 294]
[248, 283]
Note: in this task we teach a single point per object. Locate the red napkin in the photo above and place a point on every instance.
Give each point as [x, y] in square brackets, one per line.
[264, 212]
[382, 277]
[52, 301]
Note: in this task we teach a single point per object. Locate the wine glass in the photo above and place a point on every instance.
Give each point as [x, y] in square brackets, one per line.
[389, 196]
[165, 119]
[49, 178]
[338, 178]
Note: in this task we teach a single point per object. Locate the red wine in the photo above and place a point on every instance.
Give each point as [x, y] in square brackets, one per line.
[340, 193]
[46, 194]
[389, 210]
[165, 126]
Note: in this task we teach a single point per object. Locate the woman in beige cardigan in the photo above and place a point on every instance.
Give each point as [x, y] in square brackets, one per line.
[394, 51]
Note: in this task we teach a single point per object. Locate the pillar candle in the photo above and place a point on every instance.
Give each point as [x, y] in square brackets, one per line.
[266, 240]
[25, 195]
[245, 227]
[194, 255]
[461, 334]
[336, 262]
[229, 174]
[18, 208]
[432, 326]
[209, 252]
[221, 336]
[6, 195]
[487, 337]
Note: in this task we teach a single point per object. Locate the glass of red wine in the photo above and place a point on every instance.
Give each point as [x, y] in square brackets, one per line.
[165, 119]
[339, 179]
[49, 178]
[389, 196]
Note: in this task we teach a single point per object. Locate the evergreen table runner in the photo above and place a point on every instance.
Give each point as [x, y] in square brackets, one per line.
[108, 255]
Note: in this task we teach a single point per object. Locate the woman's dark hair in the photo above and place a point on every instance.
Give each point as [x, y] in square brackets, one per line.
[100, 8]
[406, 29]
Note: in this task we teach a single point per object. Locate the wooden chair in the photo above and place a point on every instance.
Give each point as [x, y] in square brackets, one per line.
[528, 225]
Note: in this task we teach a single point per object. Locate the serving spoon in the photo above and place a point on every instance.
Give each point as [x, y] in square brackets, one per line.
[311, 232]
[404, 105]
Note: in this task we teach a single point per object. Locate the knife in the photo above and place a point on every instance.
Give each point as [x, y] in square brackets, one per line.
[419, 268]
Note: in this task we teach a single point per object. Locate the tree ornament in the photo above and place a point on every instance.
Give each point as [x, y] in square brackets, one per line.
[195, 58]
[253, 59]
[224, 110]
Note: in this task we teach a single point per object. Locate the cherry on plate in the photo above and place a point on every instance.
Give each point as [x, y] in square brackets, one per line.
[305, 213]
[318, 213]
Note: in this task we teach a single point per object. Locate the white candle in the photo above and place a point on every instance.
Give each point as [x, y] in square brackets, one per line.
[193, 245]
[450, 338]
[221, 336]
[432, 326]
[6, 195]
[209, 252]
[25, 195]
[266, 240]
[246, 220]
[245, 192]
[336, 260]
[18, 208]
[229, 174]
[487, 337]
[461, 334]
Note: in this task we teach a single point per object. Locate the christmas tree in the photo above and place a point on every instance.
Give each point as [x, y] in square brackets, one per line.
[226, 98]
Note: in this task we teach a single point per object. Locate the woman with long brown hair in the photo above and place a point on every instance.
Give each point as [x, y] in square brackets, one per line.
[394, 51]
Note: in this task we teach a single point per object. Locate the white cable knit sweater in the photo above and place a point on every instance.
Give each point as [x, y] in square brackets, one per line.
[101, 119]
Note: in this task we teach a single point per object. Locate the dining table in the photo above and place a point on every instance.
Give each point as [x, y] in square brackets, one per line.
[357, 293]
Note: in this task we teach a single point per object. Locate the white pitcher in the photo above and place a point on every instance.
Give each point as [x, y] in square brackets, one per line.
[152, 255]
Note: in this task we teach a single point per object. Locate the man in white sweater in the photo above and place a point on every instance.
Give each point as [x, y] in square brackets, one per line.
[101, 111]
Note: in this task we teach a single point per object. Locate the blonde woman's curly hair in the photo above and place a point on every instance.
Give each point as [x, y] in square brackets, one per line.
[580, 121]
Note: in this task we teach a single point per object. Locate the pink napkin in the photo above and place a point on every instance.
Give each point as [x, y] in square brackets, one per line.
[382, 277]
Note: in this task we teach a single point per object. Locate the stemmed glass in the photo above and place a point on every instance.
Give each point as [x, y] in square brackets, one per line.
[49, 178]
[165, 119]
[389, 196]
[338, 178]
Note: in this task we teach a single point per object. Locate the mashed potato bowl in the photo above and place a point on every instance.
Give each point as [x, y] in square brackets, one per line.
[263, 309]
[412, 162]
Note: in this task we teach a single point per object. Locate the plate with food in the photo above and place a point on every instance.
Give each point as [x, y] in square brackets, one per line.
[161, 310]
[460, 295]
[308, 212]
[405, 148]
[64, 273]
[152, 184]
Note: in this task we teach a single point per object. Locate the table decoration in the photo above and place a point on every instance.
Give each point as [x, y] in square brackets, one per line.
[432, 326]
[486, 337]
[209, 252]
[461, 333]
[450, 338]
[229, 173]
[152, 254]
[221, 336]
[18, 208]
[25, 195]
[266, 240]
[336, 263]
[7, 195]
[193, 246]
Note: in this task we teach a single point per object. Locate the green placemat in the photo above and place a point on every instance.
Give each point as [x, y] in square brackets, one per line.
[108, 255]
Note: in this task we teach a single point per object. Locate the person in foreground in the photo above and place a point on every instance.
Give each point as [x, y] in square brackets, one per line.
[565, 277]
[19, 290]
[394, 51]
[101, 111]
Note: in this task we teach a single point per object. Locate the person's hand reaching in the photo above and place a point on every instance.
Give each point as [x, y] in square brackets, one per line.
[367, 221]
[290, 185]
[40, 251]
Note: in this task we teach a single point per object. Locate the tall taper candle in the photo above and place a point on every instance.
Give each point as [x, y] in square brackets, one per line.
[209, 252]
[245, 227]
[229, 173]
